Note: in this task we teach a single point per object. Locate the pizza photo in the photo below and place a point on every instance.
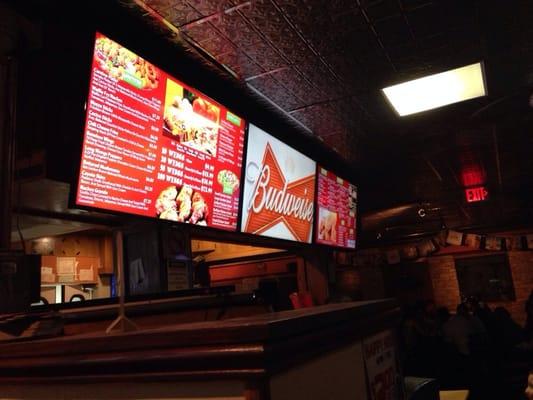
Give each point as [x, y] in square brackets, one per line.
[190, 120]
[229, 181]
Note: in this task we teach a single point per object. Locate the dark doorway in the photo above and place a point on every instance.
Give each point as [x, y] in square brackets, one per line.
[408, 282]
[488, 278]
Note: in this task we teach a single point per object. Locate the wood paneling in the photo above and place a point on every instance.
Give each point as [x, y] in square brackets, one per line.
[106, 255]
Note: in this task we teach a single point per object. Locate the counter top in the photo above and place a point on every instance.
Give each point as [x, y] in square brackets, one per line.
[250, 346]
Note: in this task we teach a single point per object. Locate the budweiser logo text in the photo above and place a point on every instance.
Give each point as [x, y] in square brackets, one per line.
[274, 201]
[277, 200]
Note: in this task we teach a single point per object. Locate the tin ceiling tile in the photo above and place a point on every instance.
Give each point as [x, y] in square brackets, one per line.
[344, 24]
[261, 12]
[265, 56]
[159, 5]
[298, 14]
[299, 55]
[382, 9]
[403, 50]
[414, 4]
[201, 32]
[179, 14]
[265, 84]
[289, 78]
[274, 91]
[347, 67]
[393, 31]
[339, 143]
[319, 118]
[335, 8]
[273, 27]
[218, 45]
[427, 21]
[210, 7]
[304, 89]
[236, 29]
[241, 64]
[286, 100]
[362, 41]
[315, 70]
[311, 94]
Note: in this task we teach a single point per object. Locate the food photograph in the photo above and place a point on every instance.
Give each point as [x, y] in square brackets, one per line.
[191, 120]
[327, 226]
[182, 204]
[229, 181]
[121, 63]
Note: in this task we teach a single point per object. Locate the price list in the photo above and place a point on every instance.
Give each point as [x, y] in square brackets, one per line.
[120, 148]
[336, 210]
[134, 162]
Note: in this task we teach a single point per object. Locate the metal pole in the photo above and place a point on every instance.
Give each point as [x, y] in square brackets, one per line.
[121, 323]
[8, 79]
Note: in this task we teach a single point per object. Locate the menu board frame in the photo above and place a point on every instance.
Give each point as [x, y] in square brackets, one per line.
[236, 233]
[357, 224]
[75, 181]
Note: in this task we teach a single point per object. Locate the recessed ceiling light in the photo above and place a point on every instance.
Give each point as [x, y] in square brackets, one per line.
[437, 90]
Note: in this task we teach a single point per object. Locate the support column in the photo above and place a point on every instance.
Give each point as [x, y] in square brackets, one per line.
[9, 33]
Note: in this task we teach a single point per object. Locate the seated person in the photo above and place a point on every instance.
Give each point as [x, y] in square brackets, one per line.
[529, 387]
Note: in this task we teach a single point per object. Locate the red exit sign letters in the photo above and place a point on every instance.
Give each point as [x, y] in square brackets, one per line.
[474, 194]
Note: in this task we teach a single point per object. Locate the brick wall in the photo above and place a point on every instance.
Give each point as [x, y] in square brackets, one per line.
[522, 271]
[446, 287]
[444, 280]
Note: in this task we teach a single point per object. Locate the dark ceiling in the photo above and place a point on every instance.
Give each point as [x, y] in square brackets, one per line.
[321, 64]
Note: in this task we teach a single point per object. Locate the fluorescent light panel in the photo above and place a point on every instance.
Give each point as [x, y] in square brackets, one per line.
[437, 90]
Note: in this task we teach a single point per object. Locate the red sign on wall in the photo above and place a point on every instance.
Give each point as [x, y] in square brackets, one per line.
[474, 194]
[155, 147]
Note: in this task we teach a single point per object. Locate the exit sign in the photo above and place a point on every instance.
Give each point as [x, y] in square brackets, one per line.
[474, 194]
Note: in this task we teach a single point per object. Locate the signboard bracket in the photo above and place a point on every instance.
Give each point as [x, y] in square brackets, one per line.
[122, 323]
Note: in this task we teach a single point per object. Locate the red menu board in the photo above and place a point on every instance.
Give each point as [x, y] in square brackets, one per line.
[155, 147]
[337, 201]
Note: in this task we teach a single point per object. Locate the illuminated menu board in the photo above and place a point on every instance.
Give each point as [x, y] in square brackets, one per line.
[336, 216]
[279, 189]
[156, 147]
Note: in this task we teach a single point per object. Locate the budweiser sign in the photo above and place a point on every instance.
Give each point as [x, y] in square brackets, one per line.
[276, 206]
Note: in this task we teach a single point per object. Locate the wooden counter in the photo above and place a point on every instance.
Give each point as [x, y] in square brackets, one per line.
[258, 357]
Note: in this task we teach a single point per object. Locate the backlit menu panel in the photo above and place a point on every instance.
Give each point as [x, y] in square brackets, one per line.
[336, 219]
[156, 147]
[279, 189]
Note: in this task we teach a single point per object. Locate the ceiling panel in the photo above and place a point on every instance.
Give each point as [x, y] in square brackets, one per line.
[382, 9]
[393, 32]
[235, 28]
[180, 14]
[210, 7]
[218, 45]
[201, 32]
[324, 63]
[265, 56]
[240, 63]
